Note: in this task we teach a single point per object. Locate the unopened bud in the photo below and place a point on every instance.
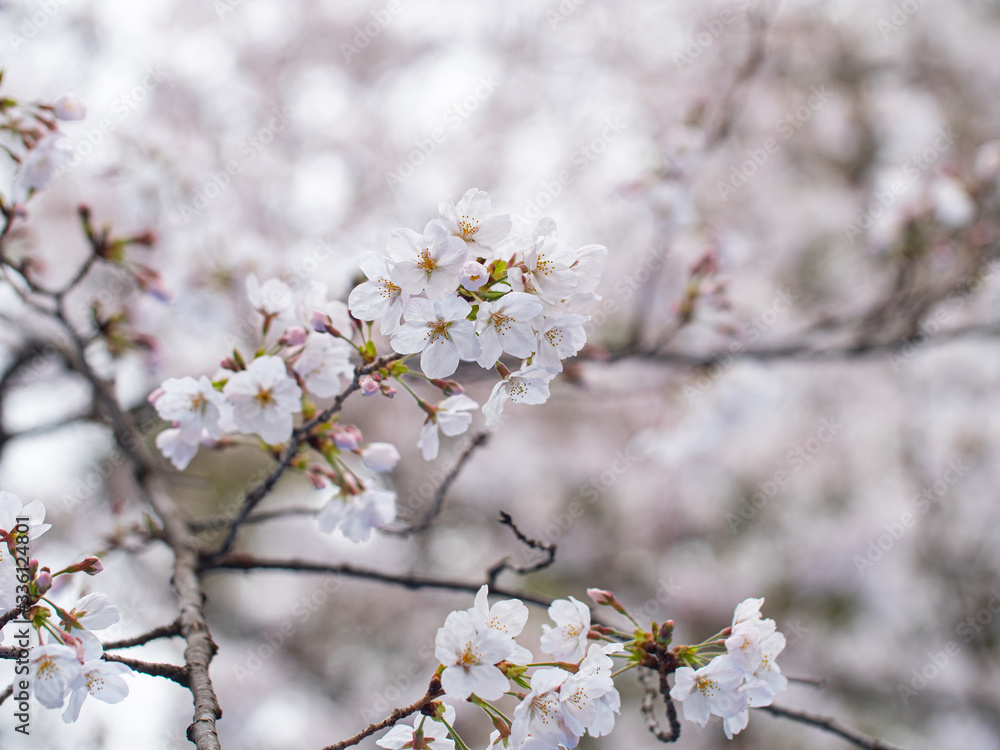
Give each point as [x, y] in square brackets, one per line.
[474, 275]
[43, 582]
[606, 599]
[448, 387]
[69, 106]
[387, 390]
[502, 369]
[369, 386]
[347, 437]
[667, 631]
[294, 336]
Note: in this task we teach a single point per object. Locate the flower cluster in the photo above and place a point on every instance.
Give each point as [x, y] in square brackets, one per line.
[480, 656]
[744, 677]
[71, 664]
[445, 294]
[452, 294]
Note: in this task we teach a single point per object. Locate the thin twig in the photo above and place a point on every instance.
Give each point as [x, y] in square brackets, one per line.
[164, 631]
[505, 564]
[235, 561]
[830, 725]
[478, 441]
[433, 691]
[170, 671]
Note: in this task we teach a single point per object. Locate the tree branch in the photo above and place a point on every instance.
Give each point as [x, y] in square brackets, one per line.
[830, 725]
[433, 691]
[505, 564]
[164, 631]
[235, 561]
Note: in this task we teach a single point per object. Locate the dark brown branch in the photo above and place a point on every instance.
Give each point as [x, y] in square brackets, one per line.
[6, 693]
[169, 671]
[9, 617]
[830, 725]
[478, 441]
[655, 683]
[505, 564]
[802, 351]
[235, 561]
[433, 691]
[164, 631]
[259, 492]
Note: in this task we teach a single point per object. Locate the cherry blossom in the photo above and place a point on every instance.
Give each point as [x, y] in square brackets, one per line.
[713, 689]
[505, 326]
[439, 331]
[507, 618]
[469, 652]
[271, 298]
[568, 640]
[378, 298]
[452, 417]
[39, 166]
[474, 275]
[541, 714]
[175, 448]
[358, 514]
[589, 697]
[547, 264]
[423, 732]
[101, 679]
[264, 398]
[11, 509]
[69, 106]
[430, 263]
[192, 405]
[324, 364]
[472, 220]
[54, 669]
[380, 457]
[560, 336]
[526, 386]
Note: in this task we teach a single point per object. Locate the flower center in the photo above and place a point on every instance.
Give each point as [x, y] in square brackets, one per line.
[501, 322]
[264, 398]
[427, 262]
[439, 329]
[468, 227]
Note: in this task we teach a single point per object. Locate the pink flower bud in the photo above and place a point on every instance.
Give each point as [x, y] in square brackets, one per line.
[387, 390]
[347, 437]
[369, 386]
[294, 336]
[44, 581]
[449, 387]
[380, 456]
[152, 397]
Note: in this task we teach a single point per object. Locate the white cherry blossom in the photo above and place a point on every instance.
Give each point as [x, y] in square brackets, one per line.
[324, 364]
[378, 298]
[541, 715]
[470, 651]
[422, 732]
[101, 679]
[451, 417]
[527, 386]
[175, 448]
[39, 166]
[11, 509]
[380, 457]
[430, 263]
[192, 405]
[69, 106]
[357, 515]
[568, 640]
[505, 326]
[53, 669]
[472, 220]
[271, 298]
[264, 397]
[439, 331]
[559, 336]
[507, 618]
[713, 689]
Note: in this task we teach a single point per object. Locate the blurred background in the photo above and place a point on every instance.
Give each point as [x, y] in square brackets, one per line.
[835, 160]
